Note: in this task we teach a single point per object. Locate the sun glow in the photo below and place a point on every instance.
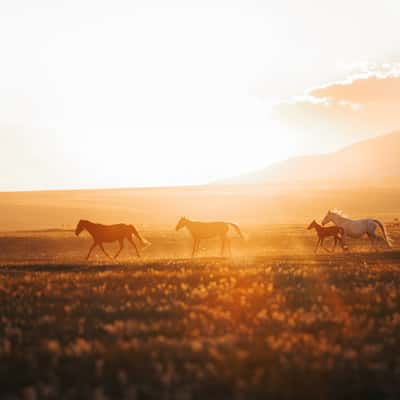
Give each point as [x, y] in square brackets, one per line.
[143, 94]
[177, 108]
[153, 97]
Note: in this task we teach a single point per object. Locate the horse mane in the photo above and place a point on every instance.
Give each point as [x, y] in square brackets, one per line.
[338, 212]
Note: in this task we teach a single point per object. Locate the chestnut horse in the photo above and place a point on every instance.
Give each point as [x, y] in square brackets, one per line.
[204, 230]
[109, 233]
[323, 232]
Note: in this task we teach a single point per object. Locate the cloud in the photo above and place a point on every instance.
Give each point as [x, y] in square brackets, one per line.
[371, 85]
[368, 90]
[363, 104]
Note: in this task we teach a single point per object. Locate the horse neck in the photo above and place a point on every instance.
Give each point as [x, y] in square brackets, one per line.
[338, 219]
[189, 225]
[89, 226]
[317, 226]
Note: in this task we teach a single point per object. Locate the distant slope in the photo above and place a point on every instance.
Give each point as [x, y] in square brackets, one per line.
[370, 159]
[159, 209]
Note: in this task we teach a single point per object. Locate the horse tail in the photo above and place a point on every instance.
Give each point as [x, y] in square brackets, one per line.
[386, 236]
[143, 241]
[236, 229]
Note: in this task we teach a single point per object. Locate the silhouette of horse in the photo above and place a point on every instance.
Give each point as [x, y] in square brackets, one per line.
[357, 228]
[204, 230]
[324, 232]
[109, 233]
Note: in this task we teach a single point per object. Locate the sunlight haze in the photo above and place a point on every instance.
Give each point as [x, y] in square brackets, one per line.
[134, 93]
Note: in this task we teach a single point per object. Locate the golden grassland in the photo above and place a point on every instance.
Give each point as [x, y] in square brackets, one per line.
[160, 208]
[274, 321]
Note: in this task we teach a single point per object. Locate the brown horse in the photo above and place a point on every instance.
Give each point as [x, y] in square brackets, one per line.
[109, 233]
[323, 232]
[204, 230]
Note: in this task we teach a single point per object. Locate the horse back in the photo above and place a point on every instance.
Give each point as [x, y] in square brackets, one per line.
[111, 233]
[332, 231]
[209, 229]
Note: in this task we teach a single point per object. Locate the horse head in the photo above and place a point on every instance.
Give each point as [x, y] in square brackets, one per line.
[327, 218]
[80, 227]
[312, 225]
[181, 223]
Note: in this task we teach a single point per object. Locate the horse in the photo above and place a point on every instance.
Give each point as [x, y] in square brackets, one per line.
[323, 232]
[204, 230]
[357, 228]
[109, 233]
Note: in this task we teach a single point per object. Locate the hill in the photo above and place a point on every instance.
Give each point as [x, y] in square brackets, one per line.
[369, 160]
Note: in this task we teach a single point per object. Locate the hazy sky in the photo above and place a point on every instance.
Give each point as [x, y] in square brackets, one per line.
[133, 93]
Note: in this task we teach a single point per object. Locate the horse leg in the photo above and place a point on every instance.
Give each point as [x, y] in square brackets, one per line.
[90, 250]
[134, 245]
[229, 247]
[121, 246]
[335, 244]
[316, 246]
[195, 246]
[373, 238]
[343, 242]
[104, 250]
[322, 245]
[223, 240]
[198, 246]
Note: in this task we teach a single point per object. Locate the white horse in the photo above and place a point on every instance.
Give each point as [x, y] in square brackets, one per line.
[357, 228]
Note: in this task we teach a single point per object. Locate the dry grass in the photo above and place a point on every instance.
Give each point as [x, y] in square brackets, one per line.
[283, 324]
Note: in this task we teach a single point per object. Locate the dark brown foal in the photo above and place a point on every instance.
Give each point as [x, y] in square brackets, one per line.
[323, 232]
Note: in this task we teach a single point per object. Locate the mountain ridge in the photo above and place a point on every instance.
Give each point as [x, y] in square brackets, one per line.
[373, 158]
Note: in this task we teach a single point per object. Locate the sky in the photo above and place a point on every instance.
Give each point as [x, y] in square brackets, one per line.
[164, 93]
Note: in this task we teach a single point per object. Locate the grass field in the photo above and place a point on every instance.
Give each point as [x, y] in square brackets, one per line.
[273, 321]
